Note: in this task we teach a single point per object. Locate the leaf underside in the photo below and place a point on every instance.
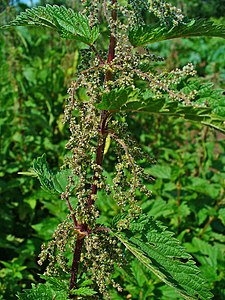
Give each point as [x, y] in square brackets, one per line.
[134, 100]
[69, 24]
[53, 183]
[148, 34]
[160, 252]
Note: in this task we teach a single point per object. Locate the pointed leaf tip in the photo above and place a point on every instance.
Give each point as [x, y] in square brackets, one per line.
[148, 34]
[69, 24]
[162, 254]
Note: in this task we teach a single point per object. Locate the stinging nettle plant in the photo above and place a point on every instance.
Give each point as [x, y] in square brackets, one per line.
[118, 80]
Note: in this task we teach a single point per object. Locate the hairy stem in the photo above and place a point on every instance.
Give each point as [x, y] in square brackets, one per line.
[72, 214]
[83, 228]
[99, 159]
[97, 54]
[75, 263]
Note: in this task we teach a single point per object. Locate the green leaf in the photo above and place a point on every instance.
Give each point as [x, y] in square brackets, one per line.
[222, 215]
[128, 99]
[60, 180]
[207, 94]
[158, 171]
[148, 34]
[57, 284]
[50, 182]
[117, 98]
[160, 252]
[69, 24]
[44, 174]
[41, 292]
[198, 185]
[83, 291]
[134, 100]
[46, 227]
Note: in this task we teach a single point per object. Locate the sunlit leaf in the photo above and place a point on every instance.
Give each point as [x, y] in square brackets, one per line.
[69, 24]
[128, 99]
[148, 34]
[54, 183]
[160, 252]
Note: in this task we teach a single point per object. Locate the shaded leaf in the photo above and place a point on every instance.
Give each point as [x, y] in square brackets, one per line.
[158, 171]
[83, 291]
[222, 215]
[57, 284]
[41, 292]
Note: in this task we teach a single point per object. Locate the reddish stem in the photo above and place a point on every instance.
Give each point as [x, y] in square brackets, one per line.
[75, 263]
[72, 214]
[99, 159]
[97, 54]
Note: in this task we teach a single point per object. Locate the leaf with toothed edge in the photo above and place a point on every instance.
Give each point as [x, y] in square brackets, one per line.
[69, 24]
[129, 99]
[54, 183]
[161, 253]
[148, 34]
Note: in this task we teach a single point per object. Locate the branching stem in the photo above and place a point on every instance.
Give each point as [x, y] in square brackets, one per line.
[83, 228]
[97, 54]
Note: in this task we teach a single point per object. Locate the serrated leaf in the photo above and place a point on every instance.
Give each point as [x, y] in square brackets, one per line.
[85, 282]
[198, 185]
[60, 180]
[44, 174]
[69, 24]
[57, 284]
[134, 100]
[54, 183]
[148, 34]
[83, 291]
[41, 292]
[160, 252]
[117, 98]
[207, 94]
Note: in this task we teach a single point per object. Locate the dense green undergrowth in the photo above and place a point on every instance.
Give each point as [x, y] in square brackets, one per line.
[188, 168]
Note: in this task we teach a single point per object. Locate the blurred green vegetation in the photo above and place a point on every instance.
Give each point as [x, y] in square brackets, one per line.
[188, 192]
[201, 8]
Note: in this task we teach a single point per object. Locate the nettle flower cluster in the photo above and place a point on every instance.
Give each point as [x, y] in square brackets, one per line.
[166, 12]
[84, 120]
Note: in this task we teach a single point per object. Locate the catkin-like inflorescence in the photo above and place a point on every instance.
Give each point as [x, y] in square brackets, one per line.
[55, 250]
[84, 128]
[127, 67]
[102, 251]
[167, 14]
[137, 11]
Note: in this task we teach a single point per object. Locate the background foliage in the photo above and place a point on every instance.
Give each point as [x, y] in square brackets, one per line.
[188, 191]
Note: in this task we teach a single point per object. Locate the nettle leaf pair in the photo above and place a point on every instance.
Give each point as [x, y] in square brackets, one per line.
[146, 239]
[74, 25]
